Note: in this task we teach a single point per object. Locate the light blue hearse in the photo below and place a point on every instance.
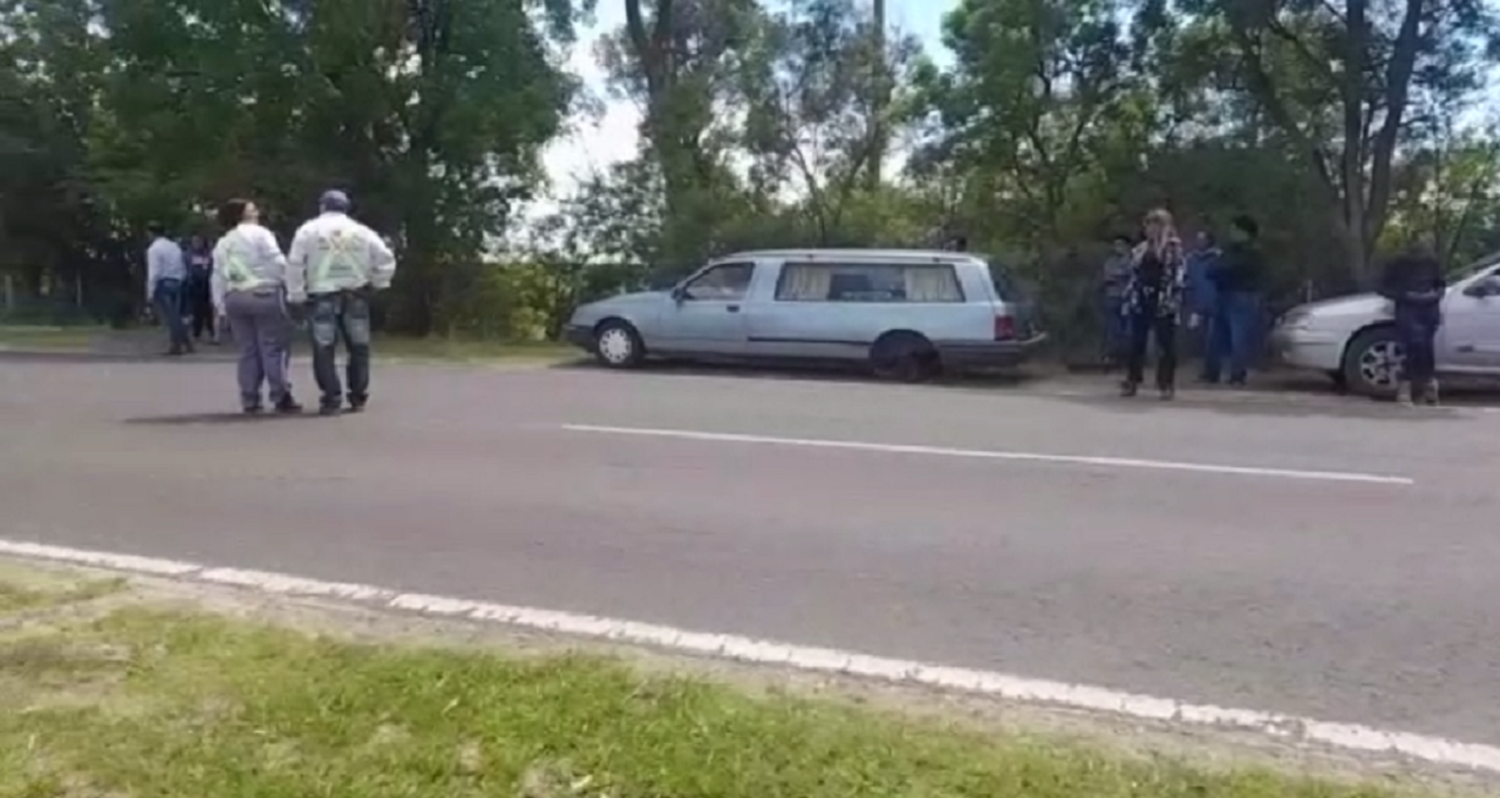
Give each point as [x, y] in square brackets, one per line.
[906, 313]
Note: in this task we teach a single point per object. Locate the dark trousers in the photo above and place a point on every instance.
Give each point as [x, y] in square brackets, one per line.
[1145, 324]
[200, 308]
[168, 300]
[1232, 336]
[344, 316]
[1416, 327]
[1116, 329]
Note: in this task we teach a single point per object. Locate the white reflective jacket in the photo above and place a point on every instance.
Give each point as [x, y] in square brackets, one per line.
[247, 258]
[334, 253]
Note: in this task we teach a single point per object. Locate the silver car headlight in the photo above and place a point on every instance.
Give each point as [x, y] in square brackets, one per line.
[1295, 320]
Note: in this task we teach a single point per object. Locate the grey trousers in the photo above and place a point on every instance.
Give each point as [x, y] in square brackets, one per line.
[263, 332]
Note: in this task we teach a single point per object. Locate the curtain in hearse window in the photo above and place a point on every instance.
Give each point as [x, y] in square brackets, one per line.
[868, 282]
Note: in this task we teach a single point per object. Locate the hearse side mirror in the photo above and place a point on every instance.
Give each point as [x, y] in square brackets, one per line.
[678, 293]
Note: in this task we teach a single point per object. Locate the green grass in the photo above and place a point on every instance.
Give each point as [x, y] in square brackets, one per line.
[29, 588]
[394, 346]
[40, 337]
[153, 703]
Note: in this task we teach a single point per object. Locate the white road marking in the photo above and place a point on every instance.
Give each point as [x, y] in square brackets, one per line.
[1348, 736]
[942, 451]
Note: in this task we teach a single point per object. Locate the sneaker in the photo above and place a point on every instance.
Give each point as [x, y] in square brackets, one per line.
[1167, 393]
[1403, 393]
[1129, 389]
[253, 410]
[288, 406]
[357, 404]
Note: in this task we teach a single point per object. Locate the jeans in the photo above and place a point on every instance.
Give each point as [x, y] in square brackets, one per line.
[167, 297]
[1116, 328]
[1416, 327]
[1232, 335]
[343, 316]
[1144, 325]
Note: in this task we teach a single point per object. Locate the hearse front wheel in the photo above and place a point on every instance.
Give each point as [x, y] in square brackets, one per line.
[618, 345]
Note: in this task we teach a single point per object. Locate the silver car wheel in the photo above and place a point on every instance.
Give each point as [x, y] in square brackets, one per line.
[1380, 364]
[616, 346]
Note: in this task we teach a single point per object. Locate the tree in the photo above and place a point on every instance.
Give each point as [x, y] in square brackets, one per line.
[1359, 68]
[1033, 85]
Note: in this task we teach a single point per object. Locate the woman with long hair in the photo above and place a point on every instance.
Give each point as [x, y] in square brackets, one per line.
[1153, 302]
[249, 290]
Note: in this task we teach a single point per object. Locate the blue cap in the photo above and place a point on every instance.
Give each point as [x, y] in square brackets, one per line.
[334, 200]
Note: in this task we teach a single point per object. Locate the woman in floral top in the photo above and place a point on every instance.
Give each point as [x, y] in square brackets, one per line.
[1153, 302]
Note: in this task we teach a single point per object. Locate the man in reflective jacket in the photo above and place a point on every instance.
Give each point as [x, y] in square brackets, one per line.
[334, 265]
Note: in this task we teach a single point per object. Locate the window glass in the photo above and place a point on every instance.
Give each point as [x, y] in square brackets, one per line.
[723, 283]
[868, 282]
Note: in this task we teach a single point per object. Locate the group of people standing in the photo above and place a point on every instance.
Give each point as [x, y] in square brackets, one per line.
[177, 290]
[263, 296]
[1154, 284]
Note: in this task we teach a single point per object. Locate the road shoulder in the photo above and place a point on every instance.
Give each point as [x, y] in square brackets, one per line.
[89, 653]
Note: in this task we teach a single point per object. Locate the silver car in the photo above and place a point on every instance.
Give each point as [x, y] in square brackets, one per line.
[1353, 339]
[907, 313]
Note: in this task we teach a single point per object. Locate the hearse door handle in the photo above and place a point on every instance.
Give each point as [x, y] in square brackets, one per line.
[733, 308]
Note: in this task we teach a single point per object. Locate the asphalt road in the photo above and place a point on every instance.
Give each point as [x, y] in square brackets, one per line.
[1156, 572]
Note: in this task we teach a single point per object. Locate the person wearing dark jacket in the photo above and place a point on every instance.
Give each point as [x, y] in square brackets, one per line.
[1414, 283]
[1239, 279]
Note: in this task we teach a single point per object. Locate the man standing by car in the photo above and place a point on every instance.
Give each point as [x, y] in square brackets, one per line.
[1114, 279]
[1414, 283]
[1238, 283]
[1202, 300]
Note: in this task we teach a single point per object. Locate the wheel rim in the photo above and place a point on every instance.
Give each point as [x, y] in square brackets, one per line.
[615, 346]
[1380, 364]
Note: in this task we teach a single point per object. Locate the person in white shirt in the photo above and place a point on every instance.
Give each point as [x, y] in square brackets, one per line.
[248, 288]
[334, 264]
[166, 273]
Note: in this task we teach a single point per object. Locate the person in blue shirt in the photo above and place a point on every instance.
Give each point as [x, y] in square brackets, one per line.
[1239, 281]
[1202, 298]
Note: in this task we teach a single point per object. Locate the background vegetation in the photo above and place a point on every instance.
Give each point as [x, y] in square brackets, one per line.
[1343, 126]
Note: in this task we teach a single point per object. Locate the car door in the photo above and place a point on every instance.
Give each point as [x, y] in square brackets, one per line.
[1469, 339]
[707, 314]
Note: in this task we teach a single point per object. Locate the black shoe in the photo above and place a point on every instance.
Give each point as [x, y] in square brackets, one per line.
[287, 406]
[1167, 393]
[254, 410]
[357, 403]
[1129, 389]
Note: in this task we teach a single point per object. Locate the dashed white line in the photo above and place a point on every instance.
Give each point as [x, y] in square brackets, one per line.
[983, 454]
[1347, 736]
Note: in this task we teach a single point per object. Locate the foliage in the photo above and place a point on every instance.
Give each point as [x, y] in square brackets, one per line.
[1346, 129]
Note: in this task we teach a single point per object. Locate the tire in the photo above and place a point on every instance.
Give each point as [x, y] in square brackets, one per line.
[904, 357]
[617, 345]
[1372, 363]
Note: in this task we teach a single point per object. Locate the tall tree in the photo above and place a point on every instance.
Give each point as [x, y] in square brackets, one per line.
[1364, 64]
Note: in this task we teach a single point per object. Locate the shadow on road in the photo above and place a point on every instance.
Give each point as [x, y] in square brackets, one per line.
[191, 419]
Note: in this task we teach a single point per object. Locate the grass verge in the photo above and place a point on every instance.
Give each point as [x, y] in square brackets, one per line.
[145, 700]
[149, 340]
[39, 337]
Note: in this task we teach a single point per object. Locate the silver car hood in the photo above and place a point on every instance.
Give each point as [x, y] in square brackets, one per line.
[1367, 305]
